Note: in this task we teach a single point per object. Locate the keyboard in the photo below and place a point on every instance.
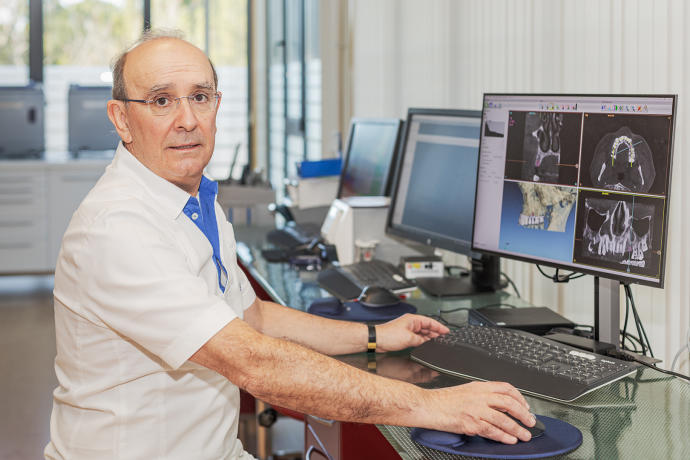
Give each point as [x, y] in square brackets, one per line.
[347, 281]
[531, 363]
[293, 235]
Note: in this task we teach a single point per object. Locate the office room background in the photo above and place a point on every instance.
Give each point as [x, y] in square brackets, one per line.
[331, 60]
[448, 53]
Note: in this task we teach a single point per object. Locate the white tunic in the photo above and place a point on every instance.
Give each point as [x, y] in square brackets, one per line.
[136, 294]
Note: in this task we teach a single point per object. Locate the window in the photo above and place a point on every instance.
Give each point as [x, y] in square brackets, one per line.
[14, 42]
[80, 38]
[219, 27]
[294, 86]
[313, 81]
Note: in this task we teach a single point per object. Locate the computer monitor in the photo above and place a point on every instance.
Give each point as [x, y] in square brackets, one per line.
[89, 128]
[21, 121]
[433, 197]
[371, 147]
[579, 182]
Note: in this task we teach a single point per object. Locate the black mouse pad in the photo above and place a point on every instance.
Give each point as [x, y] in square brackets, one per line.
[558, 438]
[355, 311]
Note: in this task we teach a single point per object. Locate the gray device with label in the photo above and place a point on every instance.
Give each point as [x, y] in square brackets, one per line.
[21, 121]
[89, 127]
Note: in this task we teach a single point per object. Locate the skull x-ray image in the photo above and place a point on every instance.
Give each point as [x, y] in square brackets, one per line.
[543, 147]
[616, 231]
[546, 207]
[543, 166]
[623, 161]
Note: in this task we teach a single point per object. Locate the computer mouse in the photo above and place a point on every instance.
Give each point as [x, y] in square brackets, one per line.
[377, 296]
[536, 430]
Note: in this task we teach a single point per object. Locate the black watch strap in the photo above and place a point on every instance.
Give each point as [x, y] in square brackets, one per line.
[371, 344]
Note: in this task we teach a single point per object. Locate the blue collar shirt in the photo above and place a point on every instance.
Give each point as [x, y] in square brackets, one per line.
[204, 216]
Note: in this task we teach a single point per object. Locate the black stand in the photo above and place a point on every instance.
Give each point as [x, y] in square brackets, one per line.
[606, 320]
[485, 277]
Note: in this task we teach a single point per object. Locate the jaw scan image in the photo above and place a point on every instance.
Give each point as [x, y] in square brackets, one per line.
[546, 130]
[618, 232]
[546, 207]
[623, 162]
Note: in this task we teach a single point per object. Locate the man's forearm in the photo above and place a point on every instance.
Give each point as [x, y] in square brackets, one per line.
[324, 335]
[289, 375]
[292, 376]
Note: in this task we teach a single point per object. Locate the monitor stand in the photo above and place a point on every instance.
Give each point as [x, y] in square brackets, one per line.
[485, 277]
[606, 320]
[607, 311]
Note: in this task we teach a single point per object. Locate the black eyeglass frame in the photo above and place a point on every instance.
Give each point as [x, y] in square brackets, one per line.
[148, 102]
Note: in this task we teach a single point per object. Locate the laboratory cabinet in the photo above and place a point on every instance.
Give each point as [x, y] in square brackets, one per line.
[37, 200]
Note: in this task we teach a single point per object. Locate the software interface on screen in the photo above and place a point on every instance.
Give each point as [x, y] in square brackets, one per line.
[434, 196]
[370, 152]
[580, 182]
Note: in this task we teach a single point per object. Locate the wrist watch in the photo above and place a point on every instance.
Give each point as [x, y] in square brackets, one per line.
[371, 344]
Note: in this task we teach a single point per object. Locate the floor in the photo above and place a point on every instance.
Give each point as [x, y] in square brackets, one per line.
[27, 376]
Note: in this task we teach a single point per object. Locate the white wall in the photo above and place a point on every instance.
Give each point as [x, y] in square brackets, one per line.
[447, 53]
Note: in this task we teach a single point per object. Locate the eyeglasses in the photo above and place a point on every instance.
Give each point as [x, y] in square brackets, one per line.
[163, 104]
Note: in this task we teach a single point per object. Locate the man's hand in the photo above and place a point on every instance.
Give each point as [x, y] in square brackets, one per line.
[478, 408]
[407, 331]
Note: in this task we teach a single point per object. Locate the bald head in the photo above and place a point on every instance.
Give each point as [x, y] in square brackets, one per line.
[176, 143]
[119, 77]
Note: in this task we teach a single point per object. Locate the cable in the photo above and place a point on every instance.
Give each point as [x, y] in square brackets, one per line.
[626, 357]
[512, 284]
[625, 323]
[634, 341]
[440, 312]
[636, 318]
[644, 340]
[556, 278]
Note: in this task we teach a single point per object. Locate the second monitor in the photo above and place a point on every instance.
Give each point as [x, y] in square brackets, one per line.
[433, 196]
[371, 147]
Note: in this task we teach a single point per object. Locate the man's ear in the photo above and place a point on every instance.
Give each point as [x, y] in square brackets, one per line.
[118, 117]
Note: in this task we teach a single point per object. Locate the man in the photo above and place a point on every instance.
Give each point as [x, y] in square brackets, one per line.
[157, 326]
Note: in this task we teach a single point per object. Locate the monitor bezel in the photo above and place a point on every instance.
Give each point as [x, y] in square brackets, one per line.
[346, 157]
[601, 274]
[420, 236]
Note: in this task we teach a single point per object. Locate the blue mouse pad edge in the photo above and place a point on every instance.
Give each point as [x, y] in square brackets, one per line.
[355, 311]
[559, 438]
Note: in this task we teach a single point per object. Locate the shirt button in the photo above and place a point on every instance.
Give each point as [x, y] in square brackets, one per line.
[195, 216]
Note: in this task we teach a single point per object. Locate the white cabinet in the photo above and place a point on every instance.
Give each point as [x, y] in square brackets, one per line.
[68, 184]
[23, 222]
[37, 200]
